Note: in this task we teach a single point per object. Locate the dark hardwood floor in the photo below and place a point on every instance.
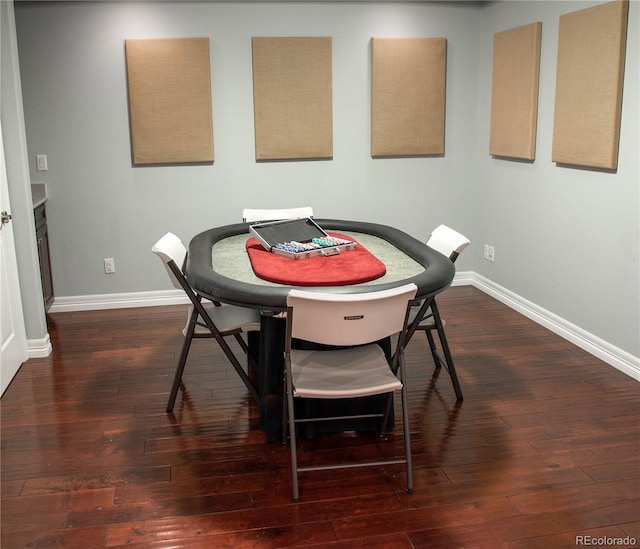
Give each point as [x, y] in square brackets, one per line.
[544, 448]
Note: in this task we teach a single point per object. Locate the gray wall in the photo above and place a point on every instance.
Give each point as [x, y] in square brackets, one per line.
[565, 239]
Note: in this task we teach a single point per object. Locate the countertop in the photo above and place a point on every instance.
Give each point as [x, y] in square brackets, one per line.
[38, 194]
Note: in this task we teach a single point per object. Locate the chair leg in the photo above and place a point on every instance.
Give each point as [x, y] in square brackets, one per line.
[447, 352]
[292, 436]
[434, 351]
[242, 343]
[186, 345]
[226, 349]
[252, 365]
[405, 424]
[238, 368]
[387, 414]
[285, 412]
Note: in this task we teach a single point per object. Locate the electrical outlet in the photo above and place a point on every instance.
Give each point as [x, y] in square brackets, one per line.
[41, 162]
[109, 265]
[489, 253]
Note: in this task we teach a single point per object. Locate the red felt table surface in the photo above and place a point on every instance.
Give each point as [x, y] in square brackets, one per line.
[349, 267]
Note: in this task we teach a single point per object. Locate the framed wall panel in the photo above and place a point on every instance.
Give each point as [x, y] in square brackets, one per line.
[514, 92]
[589, 79]
[170, 109]
[292, 95]
[408, 84]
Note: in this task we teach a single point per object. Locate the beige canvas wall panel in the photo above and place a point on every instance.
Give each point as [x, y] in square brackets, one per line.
[292, 94]
[408, 81]
[514, 92]
[170, 109]
[589, 79]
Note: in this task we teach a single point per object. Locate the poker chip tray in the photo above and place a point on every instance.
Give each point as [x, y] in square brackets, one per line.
[298, 239]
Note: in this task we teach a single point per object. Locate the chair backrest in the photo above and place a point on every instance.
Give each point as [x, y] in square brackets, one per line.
[448, 242]
[171, 249]
[252, 215]
[348, 319]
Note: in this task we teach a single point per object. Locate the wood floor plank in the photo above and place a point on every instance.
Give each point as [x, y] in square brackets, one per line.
[545, 446]
[319, 514]
[61, 537]
[473, 513]
[528, 530]
[286, 536]
[583, 497]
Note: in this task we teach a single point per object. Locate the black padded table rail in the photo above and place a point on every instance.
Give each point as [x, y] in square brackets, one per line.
[437, 274]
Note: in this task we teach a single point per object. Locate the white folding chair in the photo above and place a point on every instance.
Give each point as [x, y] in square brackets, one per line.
[450, 243]
[217, 321]
[254, 215]
[357, 367]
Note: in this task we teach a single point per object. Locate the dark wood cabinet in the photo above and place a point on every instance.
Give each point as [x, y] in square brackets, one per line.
[42, 237]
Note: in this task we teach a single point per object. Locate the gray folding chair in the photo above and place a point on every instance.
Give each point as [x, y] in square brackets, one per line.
[450, 243]
[217, 321]
[354, 367]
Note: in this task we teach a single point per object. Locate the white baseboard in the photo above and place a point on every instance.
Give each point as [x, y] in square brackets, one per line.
[39, 348]
[464, 278]
[118, 301]
[623, 361]
[619, 359]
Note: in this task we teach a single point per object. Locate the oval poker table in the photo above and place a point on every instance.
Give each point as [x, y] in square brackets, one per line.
[218, 268]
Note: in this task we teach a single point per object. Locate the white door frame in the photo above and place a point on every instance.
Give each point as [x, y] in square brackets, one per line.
[13, 338]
